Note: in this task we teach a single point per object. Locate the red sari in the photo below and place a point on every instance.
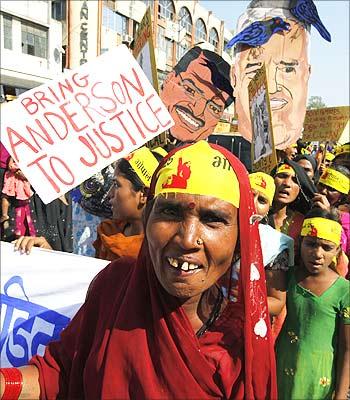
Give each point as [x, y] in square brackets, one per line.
[132, 340]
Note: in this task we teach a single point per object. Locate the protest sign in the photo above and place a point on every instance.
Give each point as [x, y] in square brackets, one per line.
[144, 49]
[263, 151]
[325, 124]
[40, 293]
[222, 127]
[62, 133]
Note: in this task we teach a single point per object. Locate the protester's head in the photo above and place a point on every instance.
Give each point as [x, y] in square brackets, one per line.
[293, 187]
[196, 93]
[334, 183]
[132, 178]
[342, 156]
[287, 66]
[291, 151]
[328, 159]
[320, 240]
[308, 163]
[263, 188]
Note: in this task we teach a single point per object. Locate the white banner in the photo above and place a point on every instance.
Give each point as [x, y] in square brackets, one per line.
[63, 132]
[40, 293]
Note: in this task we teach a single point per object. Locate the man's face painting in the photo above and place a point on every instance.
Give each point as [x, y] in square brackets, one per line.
[286, 59]
[195, 104]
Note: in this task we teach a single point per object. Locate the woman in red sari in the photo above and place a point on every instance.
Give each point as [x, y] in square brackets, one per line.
[160, 327]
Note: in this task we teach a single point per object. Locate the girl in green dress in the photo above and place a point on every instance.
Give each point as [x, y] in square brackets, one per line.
[313, 348]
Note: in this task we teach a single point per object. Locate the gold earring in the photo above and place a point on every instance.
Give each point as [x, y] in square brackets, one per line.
[199, 241]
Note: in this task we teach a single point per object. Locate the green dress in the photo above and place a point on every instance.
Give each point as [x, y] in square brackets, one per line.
[306, 348]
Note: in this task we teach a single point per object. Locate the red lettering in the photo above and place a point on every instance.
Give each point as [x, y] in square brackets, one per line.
[104, 143]
[85, 107]
[63, 87]
[118, 115]
[53, 126]
[21, 140]
[145, 114]
[137, 125]
[41, 97]
[53, 93]
[47, 138]
[109, 110]
[70, 117]
[42, 169]
[121, 91]
[65, 166]
[156, 112]
[121, 144]
[83, 80]
[87, 144]
[137, 87]
[27, 102]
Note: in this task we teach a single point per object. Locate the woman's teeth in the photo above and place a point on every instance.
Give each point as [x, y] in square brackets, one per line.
[185, 266]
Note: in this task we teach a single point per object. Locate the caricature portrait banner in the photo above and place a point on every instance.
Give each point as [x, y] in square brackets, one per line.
[196, 94]
[276, 33]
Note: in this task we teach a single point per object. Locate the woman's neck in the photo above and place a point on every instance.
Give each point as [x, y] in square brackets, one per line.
[199, 308]
[133, 228]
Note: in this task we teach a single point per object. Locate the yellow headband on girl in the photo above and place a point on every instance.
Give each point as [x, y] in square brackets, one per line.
[199, 169]
[285, 169]
[264, 184]
[335, 180]
[143, 163]
[322, 228]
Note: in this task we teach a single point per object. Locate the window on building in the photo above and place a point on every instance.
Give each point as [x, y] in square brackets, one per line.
[169, 50]
[114, 21]
[161, 38]
[34, 39]
[58, 10]
[185, 20]
[200, 31]
[7, 24]
[181, 50]
[214, 38]
[166, 9]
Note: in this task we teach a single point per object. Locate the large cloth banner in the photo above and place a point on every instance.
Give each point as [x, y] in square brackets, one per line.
[63, 132]
[40, 293]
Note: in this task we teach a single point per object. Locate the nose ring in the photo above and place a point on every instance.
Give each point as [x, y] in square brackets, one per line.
[199, 241]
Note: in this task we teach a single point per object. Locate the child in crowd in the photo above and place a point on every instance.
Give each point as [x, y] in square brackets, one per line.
[17, 186]
[313, 348]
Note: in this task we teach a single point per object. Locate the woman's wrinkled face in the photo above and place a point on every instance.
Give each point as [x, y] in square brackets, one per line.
[307, 166]
[287, 188]
[317, 254]
[261, 202]
[192, 239]
[333, 196]
[123, 198]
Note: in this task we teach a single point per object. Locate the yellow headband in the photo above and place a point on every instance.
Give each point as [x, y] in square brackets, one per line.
[159, 150]
[345, 148]
[329, 156]
[264, 184]
[335, 180]
[143, 163]
[285, 169]
[199, 169]
[322, 228]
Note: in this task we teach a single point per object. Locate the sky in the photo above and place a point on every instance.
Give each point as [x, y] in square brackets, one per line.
[329, 61]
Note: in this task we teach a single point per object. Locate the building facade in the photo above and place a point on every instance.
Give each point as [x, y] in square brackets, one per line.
[31, 46]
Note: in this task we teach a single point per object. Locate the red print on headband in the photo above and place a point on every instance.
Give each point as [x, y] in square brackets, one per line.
[179, 180]
[263, 183]
[313, 231]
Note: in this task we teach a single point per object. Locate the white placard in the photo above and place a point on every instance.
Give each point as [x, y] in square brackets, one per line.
[40, 293]
[62, 133]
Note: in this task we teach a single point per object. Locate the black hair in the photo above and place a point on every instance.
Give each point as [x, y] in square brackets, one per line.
[340, 168]
[127, 171]
[220, 69]
[343, 158]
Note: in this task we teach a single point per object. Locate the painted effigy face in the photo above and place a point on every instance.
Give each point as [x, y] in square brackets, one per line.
[287, 67]
[193, 101]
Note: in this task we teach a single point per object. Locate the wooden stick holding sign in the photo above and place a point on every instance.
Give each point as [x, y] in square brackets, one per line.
[263, 151]
[62, 133]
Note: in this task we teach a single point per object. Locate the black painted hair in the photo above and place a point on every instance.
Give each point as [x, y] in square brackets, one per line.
[220, 69]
